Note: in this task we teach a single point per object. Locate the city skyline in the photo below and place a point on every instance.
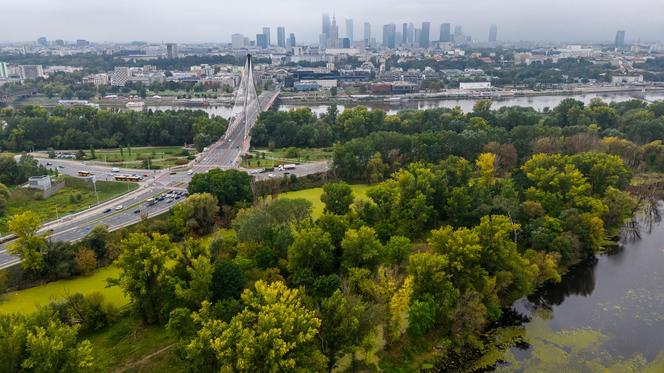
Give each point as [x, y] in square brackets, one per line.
[208, 21]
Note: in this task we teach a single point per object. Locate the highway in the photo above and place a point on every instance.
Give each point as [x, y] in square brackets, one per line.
[132, 207]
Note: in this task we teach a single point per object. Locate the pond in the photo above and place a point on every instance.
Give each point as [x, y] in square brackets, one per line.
[606, 315]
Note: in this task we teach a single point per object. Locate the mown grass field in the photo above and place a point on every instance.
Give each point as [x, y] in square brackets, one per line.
[313, 196]
[280, 156]
[26, 301]
[77, 195]
[160, 157]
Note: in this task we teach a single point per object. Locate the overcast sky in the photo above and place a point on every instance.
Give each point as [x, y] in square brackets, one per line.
[215, 20]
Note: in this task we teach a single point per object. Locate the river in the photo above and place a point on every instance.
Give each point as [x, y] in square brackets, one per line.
[536, 102]
[606, 315]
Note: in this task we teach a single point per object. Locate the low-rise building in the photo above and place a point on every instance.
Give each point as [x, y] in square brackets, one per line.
[96, 79]
[307, 86]
[40, 182]
[474, 86]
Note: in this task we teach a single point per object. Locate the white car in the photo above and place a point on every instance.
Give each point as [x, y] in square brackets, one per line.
[190, 172]
[115, 169]
[119, 207]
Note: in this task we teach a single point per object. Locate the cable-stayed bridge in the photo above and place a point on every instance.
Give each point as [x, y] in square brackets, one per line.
[226, 152]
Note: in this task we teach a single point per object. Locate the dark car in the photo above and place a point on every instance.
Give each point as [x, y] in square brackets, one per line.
[137, 211]
[107, 211]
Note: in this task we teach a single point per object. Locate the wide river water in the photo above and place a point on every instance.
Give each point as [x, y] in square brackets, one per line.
[537, 102]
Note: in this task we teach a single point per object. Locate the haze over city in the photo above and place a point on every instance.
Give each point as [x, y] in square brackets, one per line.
[215, 21]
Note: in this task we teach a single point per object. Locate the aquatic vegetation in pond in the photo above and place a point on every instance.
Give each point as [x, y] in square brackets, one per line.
[569, 350]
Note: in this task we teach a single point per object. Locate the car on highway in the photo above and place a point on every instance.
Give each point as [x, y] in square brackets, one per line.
[61, 167]
[173, 173]
[137, 211]
[190, 172]
[107, 211]
[270, 175]
[115, 169]
[49, 164]
[119, 207]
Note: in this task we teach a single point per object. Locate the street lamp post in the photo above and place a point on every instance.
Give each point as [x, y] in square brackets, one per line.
[94, 185]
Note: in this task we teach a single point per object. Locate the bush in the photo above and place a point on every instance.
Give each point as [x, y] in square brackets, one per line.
[91, 312]
[86, 260]
[292, 153]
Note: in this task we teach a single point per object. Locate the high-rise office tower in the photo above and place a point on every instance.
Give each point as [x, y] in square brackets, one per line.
[417, 37]
[333, 40]
[349, 30]
[325, 34]
[493, 33]
[42, 41]
[266, 32]
[237, 41]
[404, 34]
[281, 37]
[410, 39]
[389, 35]
[326, 24]
[620, 39]
[171, 51]
[445, 33]
[261, 41]
[425, 35]
[291, 40]
[367, 32]
[458, 34]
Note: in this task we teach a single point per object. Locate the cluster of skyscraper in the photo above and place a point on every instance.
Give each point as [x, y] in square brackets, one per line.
[407, 36]
[264, 39]
[330, 37]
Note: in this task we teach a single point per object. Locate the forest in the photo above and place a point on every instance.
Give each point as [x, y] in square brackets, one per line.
[467, 213]
[33, 127]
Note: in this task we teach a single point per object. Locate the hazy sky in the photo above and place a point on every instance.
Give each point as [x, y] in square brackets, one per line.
[216, 20]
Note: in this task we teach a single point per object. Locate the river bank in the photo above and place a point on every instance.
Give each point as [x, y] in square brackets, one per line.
[457, 94]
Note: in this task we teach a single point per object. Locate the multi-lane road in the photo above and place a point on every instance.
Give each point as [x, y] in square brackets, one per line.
[115, 214]
[132, 207]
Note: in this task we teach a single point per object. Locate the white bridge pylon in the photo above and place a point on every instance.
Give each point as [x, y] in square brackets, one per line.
[247, 107]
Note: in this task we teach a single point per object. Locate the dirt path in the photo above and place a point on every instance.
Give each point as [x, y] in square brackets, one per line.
[132, 364]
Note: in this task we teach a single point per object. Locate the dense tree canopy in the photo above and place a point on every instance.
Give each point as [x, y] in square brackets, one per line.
[33, 127]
